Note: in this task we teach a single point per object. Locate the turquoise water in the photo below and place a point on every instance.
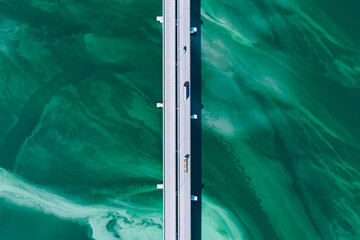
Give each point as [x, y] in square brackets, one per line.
[80, 136]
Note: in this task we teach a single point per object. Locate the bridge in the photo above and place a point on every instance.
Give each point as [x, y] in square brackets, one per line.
[176, 119]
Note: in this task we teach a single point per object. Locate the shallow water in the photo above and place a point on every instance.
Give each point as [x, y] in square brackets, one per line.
[80, 137]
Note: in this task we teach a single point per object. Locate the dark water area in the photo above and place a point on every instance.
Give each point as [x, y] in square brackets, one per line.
[24, 224]
[281, 96]
[278, 104]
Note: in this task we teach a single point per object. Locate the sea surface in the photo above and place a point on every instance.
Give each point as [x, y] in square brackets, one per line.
[81, 138]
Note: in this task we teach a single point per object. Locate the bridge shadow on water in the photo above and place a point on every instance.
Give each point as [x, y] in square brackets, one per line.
[196, 107]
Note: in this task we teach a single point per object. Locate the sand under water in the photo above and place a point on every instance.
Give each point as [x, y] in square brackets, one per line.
[80, 136]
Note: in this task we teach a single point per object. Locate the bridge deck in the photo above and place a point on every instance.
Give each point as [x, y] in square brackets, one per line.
[176, 119]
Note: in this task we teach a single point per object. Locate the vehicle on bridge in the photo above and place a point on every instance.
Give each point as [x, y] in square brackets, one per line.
[186, 90]
[186, 163]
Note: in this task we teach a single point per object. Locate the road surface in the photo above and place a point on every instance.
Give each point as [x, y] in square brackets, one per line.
[176, 119]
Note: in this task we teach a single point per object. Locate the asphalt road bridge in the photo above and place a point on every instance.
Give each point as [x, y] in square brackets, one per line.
[177, 119]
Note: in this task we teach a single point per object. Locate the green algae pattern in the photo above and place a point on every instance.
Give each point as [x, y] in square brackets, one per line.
[81, 138]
